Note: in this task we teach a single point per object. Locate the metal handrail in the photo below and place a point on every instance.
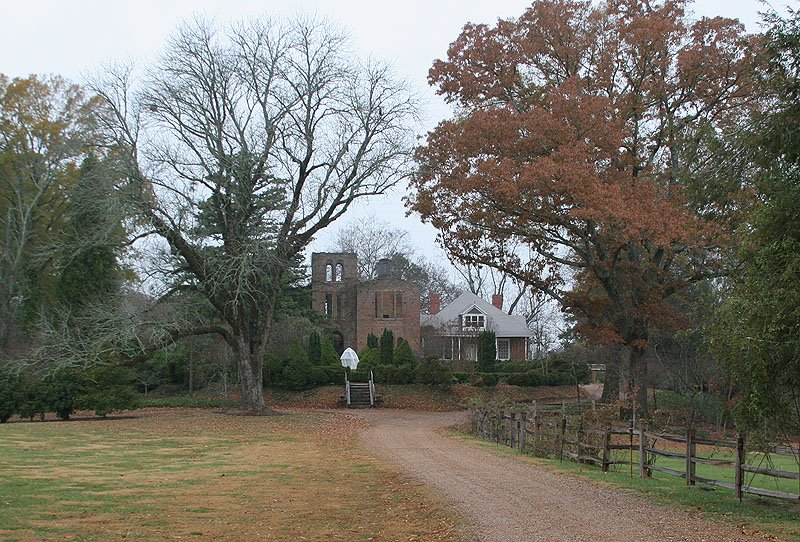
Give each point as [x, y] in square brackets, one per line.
[371, 389]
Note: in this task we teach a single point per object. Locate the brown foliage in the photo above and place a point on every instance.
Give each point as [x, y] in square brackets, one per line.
[578, 124]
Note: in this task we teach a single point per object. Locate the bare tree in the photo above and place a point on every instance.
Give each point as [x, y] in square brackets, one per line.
[371, 239]
[243, 143]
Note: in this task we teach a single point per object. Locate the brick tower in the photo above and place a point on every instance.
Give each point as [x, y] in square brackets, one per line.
[334, 290]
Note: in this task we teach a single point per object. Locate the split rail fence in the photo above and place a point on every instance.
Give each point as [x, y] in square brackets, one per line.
[549, 431]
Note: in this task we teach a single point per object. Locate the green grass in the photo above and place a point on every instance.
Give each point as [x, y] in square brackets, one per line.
[192, 473]
[775, 516]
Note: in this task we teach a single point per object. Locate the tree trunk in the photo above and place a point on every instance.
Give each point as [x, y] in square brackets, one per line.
[191, 367]
[249, 358]
[637, 379]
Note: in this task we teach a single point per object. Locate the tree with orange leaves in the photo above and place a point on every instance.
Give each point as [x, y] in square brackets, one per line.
[584, 134]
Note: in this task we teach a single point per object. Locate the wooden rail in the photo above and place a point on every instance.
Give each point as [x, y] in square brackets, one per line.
[545, 431]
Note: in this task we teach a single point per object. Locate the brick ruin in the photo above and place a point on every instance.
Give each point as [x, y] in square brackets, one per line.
[357, 308]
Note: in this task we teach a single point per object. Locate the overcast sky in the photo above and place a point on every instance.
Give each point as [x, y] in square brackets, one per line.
[75, 37]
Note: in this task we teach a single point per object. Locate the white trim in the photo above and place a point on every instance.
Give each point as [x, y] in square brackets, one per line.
[508, 348]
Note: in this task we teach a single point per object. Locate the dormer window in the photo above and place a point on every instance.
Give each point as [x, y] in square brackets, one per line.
[474, 320]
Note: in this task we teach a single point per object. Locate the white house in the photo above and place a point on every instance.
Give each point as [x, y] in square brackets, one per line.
[451, 332]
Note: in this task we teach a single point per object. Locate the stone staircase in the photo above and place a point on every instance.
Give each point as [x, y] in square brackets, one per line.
[359, 395]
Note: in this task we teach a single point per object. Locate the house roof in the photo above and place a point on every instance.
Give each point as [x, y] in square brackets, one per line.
[504, 325]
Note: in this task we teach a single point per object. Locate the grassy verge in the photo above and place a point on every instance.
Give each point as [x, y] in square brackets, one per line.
[207, 476]
[780, 518]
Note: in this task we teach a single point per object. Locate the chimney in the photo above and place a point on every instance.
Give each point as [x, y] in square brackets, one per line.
[434, 304]
[497, 301]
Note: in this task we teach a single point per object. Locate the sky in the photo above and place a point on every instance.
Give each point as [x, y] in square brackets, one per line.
[76, 37]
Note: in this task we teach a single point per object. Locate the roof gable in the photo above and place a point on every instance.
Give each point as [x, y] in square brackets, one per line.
[504, 325]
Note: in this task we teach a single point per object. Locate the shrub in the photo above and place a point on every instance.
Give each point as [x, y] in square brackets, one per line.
[369, 357]
[359, 375]
[297, 372]
[319, 376]
[490, 379]
[434, 373]
[62, 390]
[107, 389]
[9, 395]
[390, 374]
[335, 375]
[314, 348]
[529, 378]
[273, 369]
[33, 397]
[403, 354]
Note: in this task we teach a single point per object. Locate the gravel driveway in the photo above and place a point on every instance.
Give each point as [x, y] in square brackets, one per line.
[508, 500]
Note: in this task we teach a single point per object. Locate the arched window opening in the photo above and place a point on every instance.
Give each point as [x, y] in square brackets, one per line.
[328, 273]
[339, 272]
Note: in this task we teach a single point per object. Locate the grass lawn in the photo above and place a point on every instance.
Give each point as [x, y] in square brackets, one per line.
[777, 517]
[194, 474]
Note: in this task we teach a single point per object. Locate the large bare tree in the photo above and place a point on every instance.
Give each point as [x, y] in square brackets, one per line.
[242, 144]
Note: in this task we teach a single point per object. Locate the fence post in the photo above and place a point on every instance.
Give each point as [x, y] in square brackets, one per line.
[523, 430]
[579, 436]
[644, 472]
[512, 426]
[605, 448]
[561, 446]
[740, 460]
[690, 453]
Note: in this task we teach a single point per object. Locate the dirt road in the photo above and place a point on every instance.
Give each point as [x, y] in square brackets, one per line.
[508, 500]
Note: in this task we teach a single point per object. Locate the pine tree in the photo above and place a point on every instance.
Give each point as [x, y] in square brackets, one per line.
[387, 347]
[372, 341]
[403, 354]
[314, 348]
[487, 351]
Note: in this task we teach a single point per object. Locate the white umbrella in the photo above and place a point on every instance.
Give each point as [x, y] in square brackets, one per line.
[350, 359]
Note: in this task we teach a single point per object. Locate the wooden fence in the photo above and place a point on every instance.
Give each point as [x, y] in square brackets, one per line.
[546, 431]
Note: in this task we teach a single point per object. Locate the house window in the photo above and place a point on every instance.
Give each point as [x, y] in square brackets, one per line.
[448, 348]
[474, 322]
[339, 272]
[503, 349]
[328, 273]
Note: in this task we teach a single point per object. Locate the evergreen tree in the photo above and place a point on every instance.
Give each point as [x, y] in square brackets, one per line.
[90, 270]
[387, 347]
[372, 341]
[297, 372]
[314, 348]
[487, 351]
[755, 332]
[403, 354]
[328, 354]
